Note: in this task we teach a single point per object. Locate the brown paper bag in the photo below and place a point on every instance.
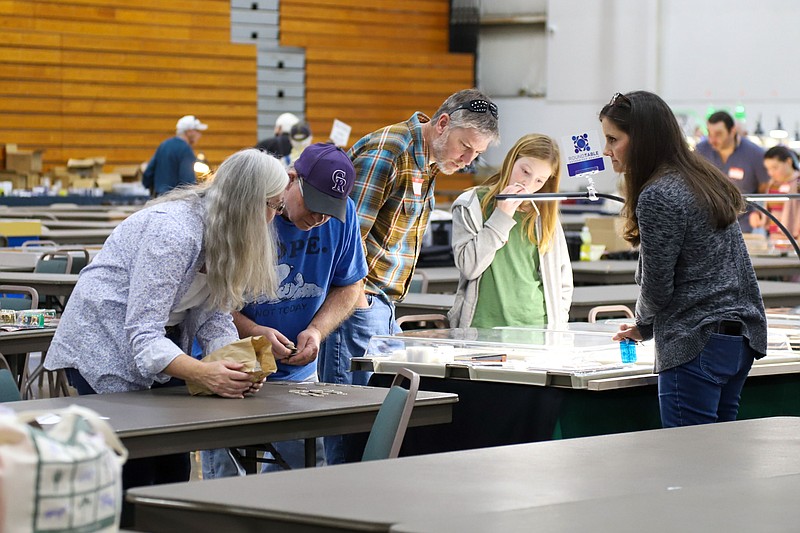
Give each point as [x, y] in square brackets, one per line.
[254, 352]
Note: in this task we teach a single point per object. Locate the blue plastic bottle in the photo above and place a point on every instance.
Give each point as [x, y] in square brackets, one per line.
[627, 349]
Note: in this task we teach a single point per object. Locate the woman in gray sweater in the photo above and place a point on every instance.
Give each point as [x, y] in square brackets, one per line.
[699, 295]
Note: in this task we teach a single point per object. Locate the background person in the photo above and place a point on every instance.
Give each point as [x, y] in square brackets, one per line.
[167, 274]
[699, 296]
[736, 156]
[300, 137]
[320, 268]
[396, 168]
[173, 163]
[512, 254]
[784, 170]
[280, 146]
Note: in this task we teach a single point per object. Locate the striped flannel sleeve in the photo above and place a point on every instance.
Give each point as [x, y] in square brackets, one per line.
[374, 172]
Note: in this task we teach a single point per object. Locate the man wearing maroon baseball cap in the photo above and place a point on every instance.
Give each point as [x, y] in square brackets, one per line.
[326, 178]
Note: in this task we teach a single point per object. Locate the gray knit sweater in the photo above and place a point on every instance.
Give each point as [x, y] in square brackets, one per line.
[691, 275]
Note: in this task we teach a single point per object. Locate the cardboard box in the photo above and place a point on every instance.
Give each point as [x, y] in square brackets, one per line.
[59, 171]
[82, 183]
[32, 180]
[88, 168]
[18, 181]
[129, 173]
[107, 181]
[23, 161]
[608, 231]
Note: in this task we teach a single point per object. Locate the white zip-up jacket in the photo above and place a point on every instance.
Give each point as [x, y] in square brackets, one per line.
[475, 243]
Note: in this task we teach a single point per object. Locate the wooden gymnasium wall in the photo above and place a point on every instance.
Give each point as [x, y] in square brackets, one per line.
[373, 63]
[84, 78]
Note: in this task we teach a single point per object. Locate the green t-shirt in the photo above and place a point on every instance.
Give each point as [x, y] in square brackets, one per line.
[510, 292]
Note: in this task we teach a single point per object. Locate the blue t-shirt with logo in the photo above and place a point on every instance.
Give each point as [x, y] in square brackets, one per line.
[309, 263]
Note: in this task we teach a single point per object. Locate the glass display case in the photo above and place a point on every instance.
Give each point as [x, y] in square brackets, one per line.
[578, 355]
[567, 357]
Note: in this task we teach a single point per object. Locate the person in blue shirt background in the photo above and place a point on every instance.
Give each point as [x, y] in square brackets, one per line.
[737, 157]
[173, 163]
[321, 266]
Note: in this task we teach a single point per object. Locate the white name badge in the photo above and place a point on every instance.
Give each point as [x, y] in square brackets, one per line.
[735, 173]
[416, 185]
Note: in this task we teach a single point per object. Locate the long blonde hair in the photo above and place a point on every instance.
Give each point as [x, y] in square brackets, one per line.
[240, 250]
[537, 146]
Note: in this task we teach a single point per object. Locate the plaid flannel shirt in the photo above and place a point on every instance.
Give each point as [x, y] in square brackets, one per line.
[393, 193]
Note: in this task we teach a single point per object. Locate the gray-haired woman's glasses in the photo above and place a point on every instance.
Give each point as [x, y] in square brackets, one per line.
[278, 207]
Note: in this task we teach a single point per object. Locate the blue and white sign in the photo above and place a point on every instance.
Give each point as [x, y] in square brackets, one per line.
[583, 153]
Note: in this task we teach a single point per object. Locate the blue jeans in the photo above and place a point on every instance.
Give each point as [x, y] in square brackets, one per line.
[707, 388]
[217, 463]
[349, 340]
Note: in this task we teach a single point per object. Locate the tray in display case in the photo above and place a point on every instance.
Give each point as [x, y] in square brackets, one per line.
[565, 357]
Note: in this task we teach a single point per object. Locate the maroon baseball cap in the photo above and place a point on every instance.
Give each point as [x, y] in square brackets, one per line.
[328, 177]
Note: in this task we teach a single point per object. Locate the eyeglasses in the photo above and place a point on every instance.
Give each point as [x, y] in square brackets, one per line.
[479, 106]
[619, 97]
[278, 208]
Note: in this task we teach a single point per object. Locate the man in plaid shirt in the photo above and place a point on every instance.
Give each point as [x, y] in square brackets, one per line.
[396, 167]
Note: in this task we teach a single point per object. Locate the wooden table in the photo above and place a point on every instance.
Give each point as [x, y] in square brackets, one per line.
[72, 214]
[25, 259]
[80, 224]
[439, 488]
[77, 236]
[14, 348]
[724, 506]
[607, 272]
[45, 284]
[440, 279]
[26, 340]
[774, 294]
[169, 420]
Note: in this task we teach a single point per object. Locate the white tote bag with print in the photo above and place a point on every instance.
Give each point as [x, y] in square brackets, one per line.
[66, 477]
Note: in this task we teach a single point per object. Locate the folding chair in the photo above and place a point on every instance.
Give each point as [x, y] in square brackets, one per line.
[615, 309]
[421, 321]
[390, 425]
[385, 437]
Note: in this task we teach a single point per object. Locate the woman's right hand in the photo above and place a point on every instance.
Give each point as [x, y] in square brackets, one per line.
[510, 206]
[226, 379]
[628, 331]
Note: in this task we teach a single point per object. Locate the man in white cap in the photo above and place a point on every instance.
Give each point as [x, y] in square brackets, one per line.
[173, 163]
[280, 146]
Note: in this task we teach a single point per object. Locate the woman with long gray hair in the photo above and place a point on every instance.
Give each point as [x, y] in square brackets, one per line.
[168, 274]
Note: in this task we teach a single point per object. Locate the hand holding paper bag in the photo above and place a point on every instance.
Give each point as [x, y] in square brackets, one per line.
[255, 353]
